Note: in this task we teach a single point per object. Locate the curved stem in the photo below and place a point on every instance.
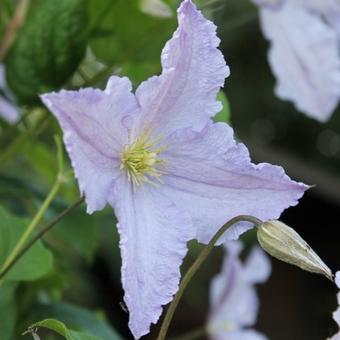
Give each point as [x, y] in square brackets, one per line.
[30, 228]
[196, 265]
[38, 236]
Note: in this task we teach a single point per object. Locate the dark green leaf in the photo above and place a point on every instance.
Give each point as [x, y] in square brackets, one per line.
[61, 329]
[48, 49]
[77, 232]
[35, 263]
[123, 35]
[80, 319]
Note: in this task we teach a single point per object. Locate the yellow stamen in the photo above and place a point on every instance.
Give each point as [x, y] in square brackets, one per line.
[140, 159]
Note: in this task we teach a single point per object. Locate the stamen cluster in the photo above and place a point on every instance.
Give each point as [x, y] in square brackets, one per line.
[140, 159]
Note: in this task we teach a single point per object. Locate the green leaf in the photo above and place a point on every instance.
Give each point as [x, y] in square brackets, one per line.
[123, 35]
[78, 232]
[61, 329]
[80, 319]
[7, 310]
[36, 262]
[224, 115]
[48, 49]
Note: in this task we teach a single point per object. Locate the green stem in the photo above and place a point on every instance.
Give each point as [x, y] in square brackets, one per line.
[38, 236]
[30, 228]
[196, 265]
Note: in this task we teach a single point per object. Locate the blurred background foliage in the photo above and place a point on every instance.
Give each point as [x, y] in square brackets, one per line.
[73, 274]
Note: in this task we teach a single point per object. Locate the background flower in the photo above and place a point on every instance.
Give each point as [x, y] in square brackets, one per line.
[8, 111]
[234, 302]
[304, 53]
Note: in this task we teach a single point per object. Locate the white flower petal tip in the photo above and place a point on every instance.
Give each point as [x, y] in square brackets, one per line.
[220, 178]
[194, 70]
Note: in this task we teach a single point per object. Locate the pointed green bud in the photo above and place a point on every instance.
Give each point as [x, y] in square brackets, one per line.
[285, 244]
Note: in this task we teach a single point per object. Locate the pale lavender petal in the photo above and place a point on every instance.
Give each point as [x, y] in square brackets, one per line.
[337, 279]
[193, 72]
[335, 337]
[8, 111]
[333, 18]
[336, 314]
[321, 7]
[329, 10]
[91, 120]
[212, 177]
[257, 267]
[153, 233]
[304, 56]
[234, 303]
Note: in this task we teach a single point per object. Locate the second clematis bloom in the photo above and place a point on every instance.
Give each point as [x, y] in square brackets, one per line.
[304, 38]
[168, 171]
[233, 298]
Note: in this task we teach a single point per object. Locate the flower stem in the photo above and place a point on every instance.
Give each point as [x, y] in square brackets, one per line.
[39, 235]
[30, 228]
[40, 213]
[196, 265]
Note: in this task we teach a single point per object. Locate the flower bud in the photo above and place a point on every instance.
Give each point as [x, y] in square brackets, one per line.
[285, 244]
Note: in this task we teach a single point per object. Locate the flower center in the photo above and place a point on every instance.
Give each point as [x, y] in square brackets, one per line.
[141, 161]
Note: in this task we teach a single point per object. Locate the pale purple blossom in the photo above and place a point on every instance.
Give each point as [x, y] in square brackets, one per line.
[8, 111]
[304, 52]
[233, 298]
[168, 171]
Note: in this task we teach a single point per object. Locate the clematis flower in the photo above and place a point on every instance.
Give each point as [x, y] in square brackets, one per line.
[168, 171]
[233, 298]
[8, 111]
[336, 314]
[304, 52]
